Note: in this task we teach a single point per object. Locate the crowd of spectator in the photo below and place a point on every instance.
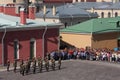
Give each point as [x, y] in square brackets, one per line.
[87, 54]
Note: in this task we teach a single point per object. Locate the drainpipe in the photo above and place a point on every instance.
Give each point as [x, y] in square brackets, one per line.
[59, 41]
[43, 41]
[3, 46]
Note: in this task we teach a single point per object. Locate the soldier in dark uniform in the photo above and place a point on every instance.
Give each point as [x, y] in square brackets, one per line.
[47, 64]
[27, 66]
[21, 63]
[8, 64]
[59, 63]
[34, 65]
[53, 63]
[23, 69]
[40, 63]
[15, 65]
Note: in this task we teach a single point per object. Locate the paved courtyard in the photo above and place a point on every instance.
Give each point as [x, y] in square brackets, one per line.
[72, 70]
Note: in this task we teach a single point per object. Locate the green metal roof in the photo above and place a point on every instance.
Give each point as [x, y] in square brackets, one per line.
[100, 25]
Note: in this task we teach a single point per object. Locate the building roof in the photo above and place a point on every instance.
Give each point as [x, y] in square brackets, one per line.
[74, 11]
[95, 5]
[115, 6]
[98, 5]
[12, 22]
[100, 25]
[48, 14]
[66, 11]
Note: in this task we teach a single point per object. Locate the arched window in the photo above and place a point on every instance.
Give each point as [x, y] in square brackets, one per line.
[32, 48]
[95, 12]
[16, 49]
[65, 24]
[109, 14]
[102, 15]
[116, 14]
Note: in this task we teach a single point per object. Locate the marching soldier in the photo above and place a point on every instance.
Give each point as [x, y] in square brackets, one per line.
[34, 65]
[21, 64]
[27, 66]
[47, 64]
[23, 69]
[8, 64]
[53, 63]
[59, 63]
[15, 65]
[40, 64]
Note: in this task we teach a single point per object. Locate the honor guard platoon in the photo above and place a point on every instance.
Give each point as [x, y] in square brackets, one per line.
[25, 66]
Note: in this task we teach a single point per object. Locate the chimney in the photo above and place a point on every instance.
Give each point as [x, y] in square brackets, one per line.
[32, 11]
[22, 16]
[79, 0]
[74, 1]
[92, 10]
[115, 1]
[44, 9]
[102, 0]
[54, 11]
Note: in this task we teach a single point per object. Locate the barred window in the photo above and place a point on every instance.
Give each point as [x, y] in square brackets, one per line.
[14, 1]
[102, 15]
[109, 14]
[116, 14]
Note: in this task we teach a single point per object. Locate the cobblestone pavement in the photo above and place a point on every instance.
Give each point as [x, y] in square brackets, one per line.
[72, 70]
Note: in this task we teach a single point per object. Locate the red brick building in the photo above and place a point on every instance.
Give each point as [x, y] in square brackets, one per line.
[57, 1]
[22, 38]
[66, 1]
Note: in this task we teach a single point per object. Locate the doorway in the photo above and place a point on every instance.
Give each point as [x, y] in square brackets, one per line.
[32, 48]
[16, 49]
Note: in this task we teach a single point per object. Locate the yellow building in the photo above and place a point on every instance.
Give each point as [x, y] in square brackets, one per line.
[11, 1]
[95, 33]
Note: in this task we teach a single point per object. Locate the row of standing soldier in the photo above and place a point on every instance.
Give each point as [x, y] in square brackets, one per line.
[25, 67]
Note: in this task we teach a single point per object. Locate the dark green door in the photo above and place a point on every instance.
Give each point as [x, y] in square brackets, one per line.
[31, 49]
[15, 49]
[119, 43]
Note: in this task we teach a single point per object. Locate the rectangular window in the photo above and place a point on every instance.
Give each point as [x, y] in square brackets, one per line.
[14, 1]
[16, 50]
[119, 43]
[32, 48]
[118, 24]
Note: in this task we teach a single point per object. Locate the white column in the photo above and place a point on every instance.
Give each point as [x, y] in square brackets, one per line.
[34, 48]
[44, 9]
[18, 50]
[54, 11]
[79, 0]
